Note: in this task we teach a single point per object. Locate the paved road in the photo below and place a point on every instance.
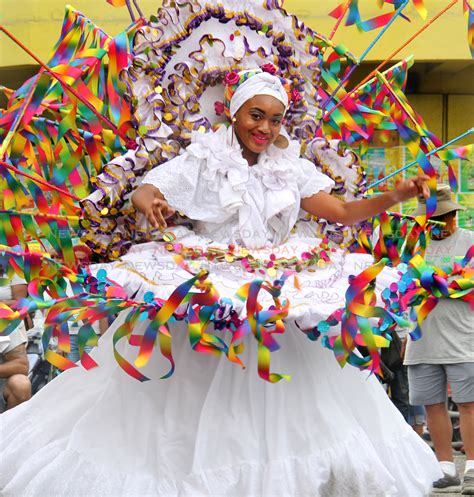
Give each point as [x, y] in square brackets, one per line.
[459, 459]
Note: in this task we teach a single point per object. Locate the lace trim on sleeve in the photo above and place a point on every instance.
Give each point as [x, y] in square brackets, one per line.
[311, 181]
[177, 180]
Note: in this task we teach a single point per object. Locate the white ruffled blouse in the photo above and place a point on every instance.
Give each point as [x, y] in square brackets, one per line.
[232, 202]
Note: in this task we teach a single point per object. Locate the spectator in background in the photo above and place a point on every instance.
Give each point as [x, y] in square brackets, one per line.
[398, 390]
[445, 352]
[417, 418]
[14, 291]
[395, 375]
[15, 387]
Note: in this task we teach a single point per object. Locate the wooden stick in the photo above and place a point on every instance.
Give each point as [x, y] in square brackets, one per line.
[65, 85]
[18, 118]
[447, 144]
[336, 26]
[38, 180]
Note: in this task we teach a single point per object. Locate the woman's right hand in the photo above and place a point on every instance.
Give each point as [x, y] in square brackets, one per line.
[150, 201]
[158, 212]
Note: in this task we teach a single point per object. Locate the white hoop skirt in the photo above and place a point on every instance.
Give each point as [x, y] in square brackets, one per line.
[214, 429]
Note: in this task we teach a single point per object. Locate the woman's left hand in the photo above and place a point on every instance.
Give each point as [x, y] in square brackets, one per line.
[412, 187]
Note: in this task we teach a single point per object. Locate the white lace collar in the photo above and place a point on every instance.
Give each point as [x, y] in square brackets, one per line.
[223, 146]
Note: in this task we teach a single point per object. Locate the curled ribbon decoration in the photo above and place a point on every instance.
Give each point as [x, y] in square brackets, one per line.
[363, 323]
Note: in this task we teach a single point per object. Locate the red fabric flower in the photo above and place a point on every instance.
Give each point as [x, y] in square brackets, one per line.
[219, 108]
[295, 97]
[231, 78]
[131, 144]
[269, 67]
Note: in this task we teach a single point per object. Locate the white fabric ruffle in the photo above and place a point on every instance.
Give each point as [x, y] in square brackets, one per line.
[256, 206]
[213, 430]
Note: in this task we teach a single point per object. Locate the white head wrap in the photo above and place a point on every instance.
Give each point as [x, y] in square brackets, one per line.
[262, 83]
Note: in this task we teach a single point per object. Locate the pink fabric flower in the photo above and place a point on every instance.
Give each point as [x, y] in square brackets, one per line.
[295, 96]
[219, 108]
[231, 78]
[269, 67]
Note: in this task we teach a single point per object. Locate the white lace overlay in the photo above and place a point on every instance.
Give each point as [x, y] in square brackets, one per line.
[233, 203]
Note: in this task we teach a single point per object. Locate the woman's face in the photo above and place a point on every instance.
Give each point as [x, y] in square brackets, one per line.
[257, 125]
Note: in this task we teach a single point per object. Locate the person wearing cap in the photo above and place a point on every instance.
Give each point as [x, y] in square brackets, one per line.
[445, 352]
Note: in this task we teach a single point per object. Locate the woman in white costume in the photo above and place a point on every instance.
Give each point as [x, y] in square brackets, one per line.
[214, 429]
